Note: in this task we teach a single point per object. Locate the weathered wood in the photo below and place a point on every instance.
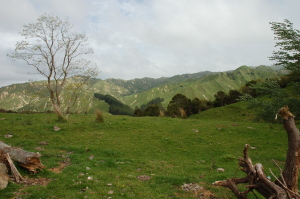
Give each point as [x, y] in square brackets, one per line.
[292, 163]
[279, 192]
[13, 169]
[232, 185]
[286, 186]
[3, 176]
[28, 160]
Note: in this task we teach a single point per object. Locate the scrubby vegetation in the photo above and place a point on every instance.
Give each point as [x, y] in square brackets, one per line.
[270, 95]
[99, 116]
[265, 96]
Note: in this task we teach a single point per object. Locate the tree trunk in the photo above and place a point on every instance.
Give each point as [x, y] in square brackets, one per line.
[292, 162]
[286, 186]
[28, 160]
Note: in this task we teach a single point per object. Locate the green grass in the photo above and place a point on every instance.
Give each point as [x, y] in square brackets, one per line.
[169, 150]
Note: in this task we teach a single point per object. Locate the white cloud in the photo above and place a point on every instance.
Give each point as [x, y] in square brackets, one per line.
[135, 38]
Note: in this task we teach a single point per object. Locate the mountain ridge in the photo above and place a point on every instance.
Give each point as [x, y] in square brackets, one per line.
[138, 91]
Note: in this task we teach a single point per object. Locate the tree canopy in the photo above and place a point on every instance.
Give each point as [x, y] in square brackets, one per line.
[57, 52]
[288, 41]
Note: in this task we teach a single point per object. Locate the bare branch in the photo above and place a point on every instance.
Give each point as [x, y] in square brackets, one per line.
[54, 51]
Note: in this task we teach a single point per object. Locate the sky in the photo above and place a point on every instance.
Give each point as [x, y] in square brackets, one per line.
[153, 38]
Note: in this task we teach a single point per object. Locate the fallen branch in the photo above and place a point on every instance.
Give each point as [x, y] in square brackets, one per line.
[284, 187]
[18, 177]
[283, 184]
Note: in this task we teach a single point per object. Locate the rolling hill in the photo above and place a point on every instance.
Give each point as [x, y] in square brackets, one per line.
[31, 96]
[204, 87]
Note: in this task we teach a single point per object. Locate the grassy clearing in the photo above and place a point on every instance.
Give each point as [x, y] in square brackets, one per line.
[103, 160]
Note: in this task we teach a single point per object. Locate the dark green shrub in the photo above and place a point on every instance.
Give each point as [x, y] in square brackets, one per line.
[178, 102]
[138, 112]
[152, 110]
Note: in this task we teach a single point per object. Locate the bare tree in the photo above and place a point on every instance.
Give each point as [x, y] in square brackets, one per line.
[57, 53]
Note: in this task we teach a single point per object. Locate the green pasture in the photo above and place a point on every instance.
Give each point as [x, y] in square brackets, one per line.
[104, 160]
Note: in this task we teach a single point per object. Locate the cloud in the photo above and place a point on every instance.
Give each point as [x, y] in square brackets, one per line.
[189, 36]
[137, 38]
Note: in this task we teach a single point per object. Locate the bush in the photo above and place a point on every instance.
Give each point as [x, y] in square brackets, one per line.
[138, 112]
[156, 101]
[271, 98]
[179, 101]
[120, 109]
[152, 110]
[99, 116]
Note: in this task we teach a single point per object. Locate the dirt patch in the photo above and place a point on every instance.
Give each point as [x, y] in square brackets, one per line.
[143, 178]
[29, 182]
[63, 164]
[59, 168]
[36, 181]
[197, 190]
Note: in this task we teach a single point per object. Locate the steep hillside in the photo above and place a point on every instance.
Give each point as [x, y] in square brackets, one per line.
[15, 96]
[139, 85]
[205, 87]
[32, 96]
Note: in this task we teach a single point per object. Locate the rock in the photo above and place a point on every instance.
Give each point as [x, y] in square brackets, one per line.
[191, 187]
[91, 157]
[56, 128]
[220, 169]
[9, 135]
[199, 191]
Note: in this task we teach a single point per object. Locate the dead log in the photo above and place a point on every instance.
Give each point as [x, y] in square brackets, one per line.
[3, 176]
[28, 160]
[286, 186]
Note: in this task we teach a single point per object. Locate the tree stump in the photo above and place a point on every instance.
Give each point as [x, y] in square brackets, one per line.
[285, 186]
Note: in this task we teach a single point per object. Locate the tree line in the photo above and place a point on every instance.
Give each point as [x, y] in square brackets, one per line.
[269, 95]
[116, 107]
[270, 90]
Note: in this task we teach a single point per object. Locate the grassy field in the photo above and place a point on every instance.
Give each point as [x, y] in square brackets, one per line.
[91, 160]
